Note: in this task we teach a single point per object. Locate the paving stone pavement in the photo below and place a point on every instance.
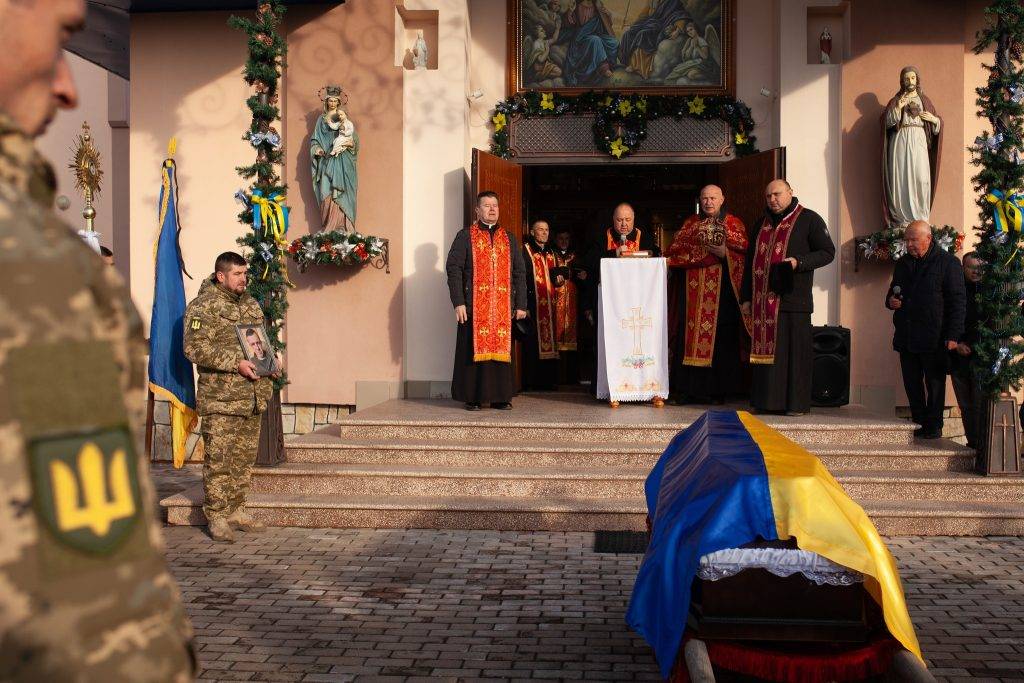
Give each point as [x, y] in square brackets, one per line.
[409, 605]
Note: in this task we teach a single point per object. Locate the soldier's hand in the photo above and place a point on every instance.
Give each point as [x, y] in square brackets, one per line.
[247, 369]
[278, 366]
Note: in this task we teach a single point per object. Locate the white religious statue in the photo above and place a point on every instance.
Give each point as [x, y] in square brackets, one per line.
[825, 46]
[334, 145]
[420, 53]
[910, 150]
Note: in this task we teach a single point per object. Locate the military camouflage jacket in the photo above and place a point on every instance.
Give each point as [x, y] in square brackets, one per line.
[211, 342]
[84, 589]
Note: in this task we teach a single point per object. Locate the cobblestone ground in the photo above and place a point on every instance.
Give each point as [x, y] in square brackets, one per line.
[343, 605]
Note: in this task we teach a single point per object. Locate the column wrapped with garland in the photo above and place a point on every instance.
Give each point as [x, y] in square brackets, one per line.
[999, 365]
[264, 203]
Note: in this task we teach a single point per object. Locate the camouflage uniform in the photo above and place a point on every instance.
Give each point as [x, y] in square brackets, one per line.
[229, 404]
[84, 590]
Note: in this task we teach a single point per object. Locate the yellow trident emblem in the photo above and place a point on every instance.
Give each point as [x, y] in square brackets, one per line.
[97, 508]
[86, 488]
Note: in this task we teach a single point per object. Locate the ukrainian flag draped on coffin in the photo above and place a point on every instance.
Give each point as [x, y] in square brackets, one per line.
[170, 372]
[726, 480]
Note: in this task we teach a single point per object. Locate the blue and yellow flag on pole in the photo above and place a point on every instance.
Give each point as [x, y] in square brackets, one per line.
[170, 372]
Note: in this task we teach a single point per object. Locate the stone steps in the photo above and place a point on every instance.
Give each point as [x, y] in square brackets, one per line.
[623, 483]
[659, 434]
[568, 463]
[892, 518]
[946, 456]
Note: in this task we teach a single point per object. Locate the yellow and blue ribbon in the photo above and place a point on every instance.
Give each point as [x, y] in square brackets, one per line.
[270, 219]
[1006, 210]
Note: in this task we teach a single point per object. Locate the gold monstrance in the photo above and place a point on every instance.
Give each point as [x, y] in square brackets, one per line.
[85, 164]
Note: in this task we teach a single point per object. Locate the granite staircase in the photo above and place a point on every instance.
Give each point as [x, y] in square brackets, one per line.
[567, 463]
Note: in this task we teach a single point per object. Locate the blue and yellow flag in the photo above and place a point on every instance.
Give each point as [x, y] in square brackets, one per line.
[170, 372]
[726, 480]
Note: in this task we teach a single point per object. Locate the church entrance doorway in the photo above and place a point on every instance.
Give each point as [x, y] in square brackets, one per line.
[580, 198]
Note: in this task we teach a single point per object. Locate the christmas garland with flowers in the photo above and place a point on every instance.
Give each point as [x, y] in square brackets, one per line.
[334, 247]
[889, 244]
[620, 120]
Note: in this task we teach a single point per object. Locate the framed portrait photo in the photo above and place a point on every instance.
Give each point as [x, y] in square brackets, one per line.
[257, 349]
[667, 47]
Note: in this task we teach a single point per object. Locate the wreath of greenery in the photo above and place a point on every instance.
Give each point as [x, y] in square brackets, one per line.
[620, 120]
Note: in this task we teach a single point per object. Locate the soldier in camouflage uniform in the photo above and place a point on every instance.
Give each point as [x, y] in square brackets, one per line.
[231, 396]
[84, 590]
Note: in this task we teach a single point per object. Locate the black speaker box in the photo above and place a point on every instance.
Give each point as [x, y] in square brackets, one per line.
[830, 381]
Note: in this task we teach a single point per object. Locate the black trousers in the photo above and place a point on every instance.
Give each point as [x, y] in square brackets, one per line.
[924, 378]
[970, 400]
[786, 383]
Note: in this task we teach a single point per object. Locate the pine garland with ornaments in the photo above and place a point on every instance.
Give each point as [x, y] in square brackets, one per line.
[264, 203]
[620, 119]
[999, 154]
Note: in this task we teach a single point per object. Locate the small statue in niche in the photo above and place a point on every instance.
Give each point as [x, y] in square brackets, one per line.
[420, 52]
[825, 45]
[334, 146]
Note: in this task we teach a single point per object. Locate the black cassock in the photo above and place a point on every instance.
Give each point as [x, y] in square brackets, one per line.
[785, 385]
[485, 381]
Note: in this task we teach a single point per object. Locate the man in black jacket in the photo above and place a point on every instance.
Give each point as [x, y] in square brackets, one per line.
[927, 298]
[785, 250]
[965, 386]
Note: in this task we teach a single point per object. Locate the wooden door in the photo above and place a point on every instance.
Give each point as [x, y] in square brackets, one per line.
[505, 178]
[743, 182]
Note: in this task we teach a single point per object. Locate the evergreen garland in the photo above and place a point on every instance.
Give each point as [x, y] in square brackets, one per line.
[268, 273]
[620, 120]
[1000, 154]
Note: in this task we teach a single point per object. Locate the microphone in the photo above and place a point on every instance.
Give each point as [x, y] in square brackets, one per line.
[622, 238]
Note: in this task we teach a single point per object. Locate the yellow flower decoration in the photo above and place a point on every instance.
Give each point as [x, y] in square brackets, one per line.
[697, 105]
[641, 105]
[547, 101]
[625, 106]
[618, 149]
[499, 121]
[740, 138]
[607, 100]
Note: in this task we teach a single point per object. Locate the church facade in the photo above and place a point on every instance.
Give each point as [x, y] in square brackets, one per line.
[359, 336]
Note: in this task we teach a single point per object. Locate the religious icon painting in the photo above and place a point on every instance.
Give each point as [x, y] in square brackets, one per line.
[257, 349]
[655, 46]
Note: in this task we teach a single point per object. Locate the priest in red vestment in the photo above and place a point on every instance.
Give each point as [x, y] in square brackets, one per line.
[487, 285]
[540, 347]
[707, 258]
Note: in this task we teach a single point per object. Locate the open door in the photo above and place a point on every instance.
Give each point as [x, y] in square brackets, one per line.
[744, 180]
[506, 179]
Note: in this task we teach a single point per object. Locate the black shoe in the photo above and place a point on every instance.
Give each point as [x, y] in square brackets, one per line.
[504, 405]
[795, 413]
[930, 434]
[919, 431]
[472, 406]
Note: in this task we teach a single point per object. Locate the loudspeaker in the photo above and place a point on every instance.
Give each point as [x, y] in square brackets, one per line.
[830, 380]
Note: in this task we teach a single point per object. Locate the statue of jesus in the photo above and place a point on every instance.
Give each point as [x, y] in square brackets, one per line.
[910, 151]
[334, 145]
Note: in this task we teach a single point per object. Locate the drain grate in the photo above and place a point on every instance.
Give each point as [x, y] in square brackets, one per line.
[632, 542]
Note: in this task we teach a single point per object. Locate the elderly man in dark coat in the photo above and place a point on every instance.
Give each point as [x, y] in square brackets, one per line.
[928, 301]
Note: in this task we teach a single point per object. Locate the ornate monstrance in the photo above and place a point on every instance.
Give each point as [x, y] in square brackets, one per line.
[711, 232]
[85, 164]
